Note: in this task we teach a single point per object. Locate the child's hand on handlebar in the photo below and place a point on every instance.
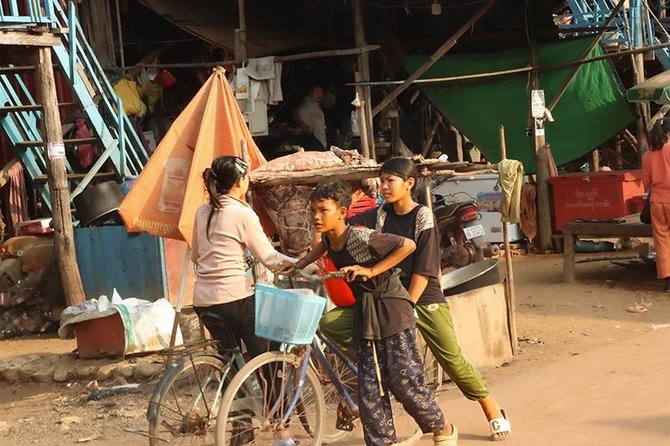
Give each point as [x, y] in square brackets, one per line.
[354, 271]
[285, 267]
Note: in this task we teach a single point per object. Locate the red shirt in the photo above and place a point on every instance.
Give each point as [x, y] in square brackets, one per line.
[656, 173]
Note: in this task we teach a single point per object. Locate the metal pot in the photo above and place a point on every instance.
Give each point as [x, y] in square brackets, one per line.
[476, 275]
[98, 202]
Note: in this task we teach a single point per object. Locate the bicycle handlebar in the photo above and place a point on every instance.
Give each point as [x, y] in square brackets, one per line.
[315, 277]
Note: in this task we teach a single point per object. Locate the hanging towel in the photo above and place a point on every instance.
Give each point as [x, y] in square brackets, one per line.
[17, 202]
[266, 71]
[511, 179]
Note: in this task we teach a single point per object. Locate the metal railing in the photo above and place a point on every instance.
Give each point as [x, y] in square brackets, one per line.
[22, 13]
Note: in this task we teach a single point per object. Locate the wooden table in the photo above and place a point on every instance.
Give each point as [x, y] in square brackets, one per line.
[573, 230]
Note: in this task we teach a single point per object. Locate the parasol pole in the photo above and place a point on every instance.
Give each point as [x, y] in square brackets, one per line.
[509, 270]
[180, 296]
[244, 150]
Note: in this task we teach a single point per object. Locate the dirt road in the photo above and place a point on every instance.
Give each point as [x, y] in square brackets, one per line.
[588, 372]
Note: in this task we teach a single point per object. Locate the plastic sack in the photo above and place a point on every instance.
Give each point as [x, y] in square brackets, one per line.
[151, 92]
[355, 127]
[130, 97]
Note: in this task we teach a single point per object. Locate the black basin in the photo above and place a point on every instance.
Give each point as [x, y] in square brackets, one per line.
[473, 276]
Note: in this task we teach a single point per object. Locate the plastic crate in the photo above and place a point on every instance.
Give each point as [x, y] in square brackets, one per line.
[287, 316]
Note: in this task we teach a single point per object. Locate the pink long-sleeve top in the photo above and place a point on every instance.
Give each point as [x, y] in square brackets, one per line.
[656, 173]
[221, 275]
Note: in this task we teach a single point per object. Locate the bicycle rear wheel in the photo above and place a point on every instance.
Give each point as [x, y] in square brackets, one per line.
[185, 402]
[258, 398]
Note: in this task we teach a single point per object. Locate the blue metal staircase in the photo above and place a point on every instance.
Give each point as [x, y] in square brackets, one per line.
[634, 27]
[20, 114]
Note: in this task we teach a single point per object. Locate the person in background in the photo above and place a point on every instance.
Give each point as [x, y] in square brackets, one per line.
[420, 274]
[388, 359]
[311, 119]
[656, 177]
[225, 230]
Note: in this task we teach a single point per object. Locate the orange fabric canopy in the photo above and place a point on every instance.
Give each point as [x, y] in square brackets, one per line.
[167, 193]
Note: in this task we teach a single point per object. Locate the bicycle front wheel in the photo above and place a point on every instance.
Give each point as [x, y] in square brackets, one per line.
[267, 396]
[186, 400]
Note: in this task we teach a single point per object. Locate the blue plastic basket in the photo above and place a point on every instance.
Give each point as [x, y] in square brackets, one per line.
[286, 316]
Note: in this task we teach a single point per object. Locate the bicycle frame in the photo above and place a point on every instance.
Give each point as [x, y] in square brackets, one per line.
[315, 350]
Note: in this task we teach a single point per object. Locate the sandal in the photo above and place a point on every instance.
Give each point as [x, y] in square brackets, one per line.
[345, 417]
[499, 426]
[447, 440]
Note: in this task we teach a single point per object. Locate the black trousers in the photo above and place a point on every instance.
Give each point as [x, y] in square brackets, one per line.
[237, 322]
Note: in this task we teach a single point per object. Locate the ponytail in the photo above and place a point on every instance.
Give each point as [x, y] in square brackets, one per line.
[658, 135]
[220, 179]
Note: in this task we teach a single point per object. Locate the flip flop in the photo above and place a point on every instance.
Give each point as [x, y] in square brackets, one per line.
[447, 440]
[499, 426]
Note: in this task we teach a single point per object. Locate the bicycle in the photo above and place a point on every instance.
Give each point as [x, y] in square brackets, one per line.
[283, 390]
[185, 401]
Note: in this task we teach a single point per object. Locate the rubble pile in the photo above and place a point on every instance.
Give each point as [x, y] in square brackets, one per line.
[31, 299]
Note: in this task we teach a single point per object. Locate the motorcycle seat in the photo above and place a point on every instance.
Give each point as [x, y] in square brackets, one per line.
[450, 210]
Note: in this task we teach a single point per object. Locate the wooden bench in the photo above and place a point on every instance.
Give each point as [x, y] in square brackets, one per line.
[632, 227]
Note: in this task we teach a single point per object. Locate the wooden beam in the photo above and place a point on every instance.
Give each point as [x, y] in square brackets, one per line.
[28, 39]
[58, 185]
[434, 80]
[355, 173]
[290, 58]
[437, 55]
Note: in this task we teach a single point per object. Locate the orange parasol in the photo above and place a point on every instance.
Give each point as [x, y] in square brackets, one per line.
[164, 199]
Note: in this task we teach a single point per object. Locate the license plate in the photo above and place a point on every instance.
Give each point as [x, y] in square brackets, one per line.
[474, 231]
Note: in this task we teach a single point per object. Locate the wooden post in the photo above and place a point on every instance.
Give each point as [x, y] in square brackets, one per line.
[459, 143]
[119, 28]
[242, 48]
[595, 156]
[510, 297]
[539, 151]
[617, 151]
[365, 94]
[56, 176]
[569, 241]
[437, 55]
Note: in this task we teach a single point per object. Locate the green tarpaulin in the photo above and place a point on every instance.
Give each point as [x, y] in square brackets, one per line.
[591, 111]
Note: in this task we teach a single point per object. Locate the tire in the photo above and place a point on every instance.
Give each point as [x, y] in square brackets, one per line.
[185, 401]
[245, 414]
[332, 397]
[433, 373]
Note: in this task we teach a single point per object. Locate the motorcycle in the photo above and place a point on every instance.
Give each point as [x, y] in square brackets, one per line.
[462, 239]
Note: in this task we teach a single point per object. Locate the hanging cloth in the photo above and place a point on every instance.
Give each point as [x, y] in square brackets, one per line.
[511, 180]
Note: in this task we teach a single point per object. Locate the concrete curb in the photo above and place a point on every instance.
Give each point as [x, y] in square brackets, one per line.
[47, 368]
